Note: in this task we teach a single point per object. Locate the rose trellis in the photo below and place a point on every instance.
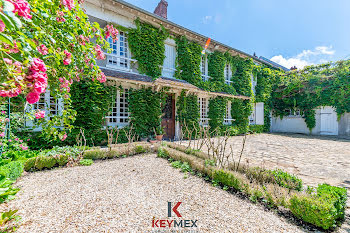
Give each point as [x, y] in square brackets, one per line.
[47, 44]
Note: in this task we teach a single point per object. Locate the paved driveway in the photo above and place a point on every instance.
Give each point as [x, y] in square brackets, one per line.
[315, 159]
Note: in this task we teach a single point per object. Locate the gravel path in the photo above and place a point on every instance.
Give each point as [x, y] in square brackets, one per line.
[124, 195]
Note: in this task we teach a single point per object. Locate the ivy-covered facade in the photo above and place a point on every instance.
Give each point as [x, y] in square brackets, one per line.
[164, 79]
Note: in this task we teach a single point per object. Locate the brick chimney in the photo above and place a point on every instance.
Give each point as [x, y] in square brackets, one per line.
[162, 9]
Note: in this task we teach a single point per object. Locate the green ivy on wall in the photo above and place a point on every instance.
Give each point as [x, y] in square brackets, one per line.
[146, 43]
[240, 111]
[145, 107]
[188, 61]
[217, 112]
[242, 75]
[188, 110]
[315, 86]
[92, 101]
[216, 67]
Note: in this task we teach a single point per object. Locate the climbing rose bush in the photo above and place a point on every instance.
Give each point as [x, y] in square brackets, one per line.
[46, 44]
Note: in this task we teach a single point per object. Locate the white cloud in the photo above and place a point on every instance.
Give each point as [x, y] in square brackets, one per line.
[207, 18]
[306, 57]
[290, 62]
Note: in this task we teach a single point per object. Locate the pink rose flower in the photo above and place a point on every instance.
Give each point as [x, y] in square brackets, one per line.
[28, 139]
[21, 8]
[33, 97]
[102, 78]
[39, 87]
[16, 139]
[68, 3]
[2, 26]
[37, 65]
[2, 134]
[10, 140]
[20, 141]
[7, 120]
[39, 114]
[42, 49]
[67, 61]
[8, 61]
[64, 137]
[110, 31]
[3, 112]
[99, 53]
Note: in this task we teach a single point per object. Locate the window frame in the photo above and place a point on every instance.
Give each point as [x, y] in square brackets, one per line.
[205, 76]
[116, 61]
[203, 111]
[228, 117]
[121, 118]
[169, 70]
[228, 73]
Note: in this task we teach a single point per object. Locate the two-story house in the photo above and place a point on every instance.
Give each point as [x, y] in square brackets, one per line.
[120, 66]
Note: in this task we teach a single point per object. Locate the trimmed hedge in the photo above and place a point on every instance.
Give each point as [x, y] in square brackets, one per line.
[324, 209]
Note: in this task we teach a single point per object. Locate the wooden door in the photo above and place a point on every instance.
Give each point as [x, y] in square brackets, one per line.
[168, 120]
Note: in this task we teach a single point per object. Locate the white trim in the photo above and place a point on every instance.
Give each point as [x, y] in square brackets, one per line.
[120, 110]
[203, 111]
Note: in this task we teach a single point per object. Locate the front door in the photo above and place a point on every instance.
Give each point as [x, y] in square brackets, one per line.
[168, 120]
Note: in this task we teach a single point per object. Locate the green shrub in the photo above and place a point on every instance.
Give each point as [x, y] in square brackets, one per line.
[62, 159]
[314, 210]
[228, 179]
[323, 209]
[162, 153]
[7, 192]
[95, 154]
[44, 162]
[140, 150]
[336, 195]
[29, 165]
[86, 162]
[256, 128]
[287, 180]
[12, 170]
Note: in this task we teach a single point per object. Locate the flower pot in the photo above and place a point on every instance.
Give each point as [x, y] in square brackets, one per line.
[159, 137]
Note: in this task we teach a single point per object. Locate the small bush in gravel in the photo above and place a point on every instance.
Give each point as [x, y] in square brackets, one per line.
[86, 162]
[287, 180]
[29, 165]
[62, 159]
[324, 208]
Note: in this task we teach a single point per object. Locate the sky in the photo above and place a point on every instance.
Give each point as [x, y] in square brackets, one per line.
[289, 32]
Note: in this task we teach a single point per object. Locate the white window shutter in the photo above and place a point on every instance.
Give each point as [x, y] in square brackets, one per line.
[169, 61]
[259, 113]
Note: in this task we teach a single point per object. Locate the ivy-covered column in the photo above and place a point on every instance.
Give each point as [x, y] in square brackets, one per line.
[188, 111]
[145, 107]
[240, 111]
[217, 112]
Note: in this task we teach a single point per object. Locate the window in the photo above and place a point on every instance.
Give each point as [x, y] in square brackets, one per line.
[228, 118]
[169, 61]
[48, 104]
[204, 68]
[119, 56]
[120, 110]
[293, 112]
[203, 108]
[228, 73]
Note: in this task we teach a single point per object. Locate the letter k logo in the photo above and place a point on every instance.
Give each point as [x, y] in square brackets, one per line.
[174, 209]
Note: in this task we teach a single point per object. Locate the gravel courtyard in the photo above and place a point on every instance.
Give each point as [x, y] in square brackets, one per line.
[124, 195]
